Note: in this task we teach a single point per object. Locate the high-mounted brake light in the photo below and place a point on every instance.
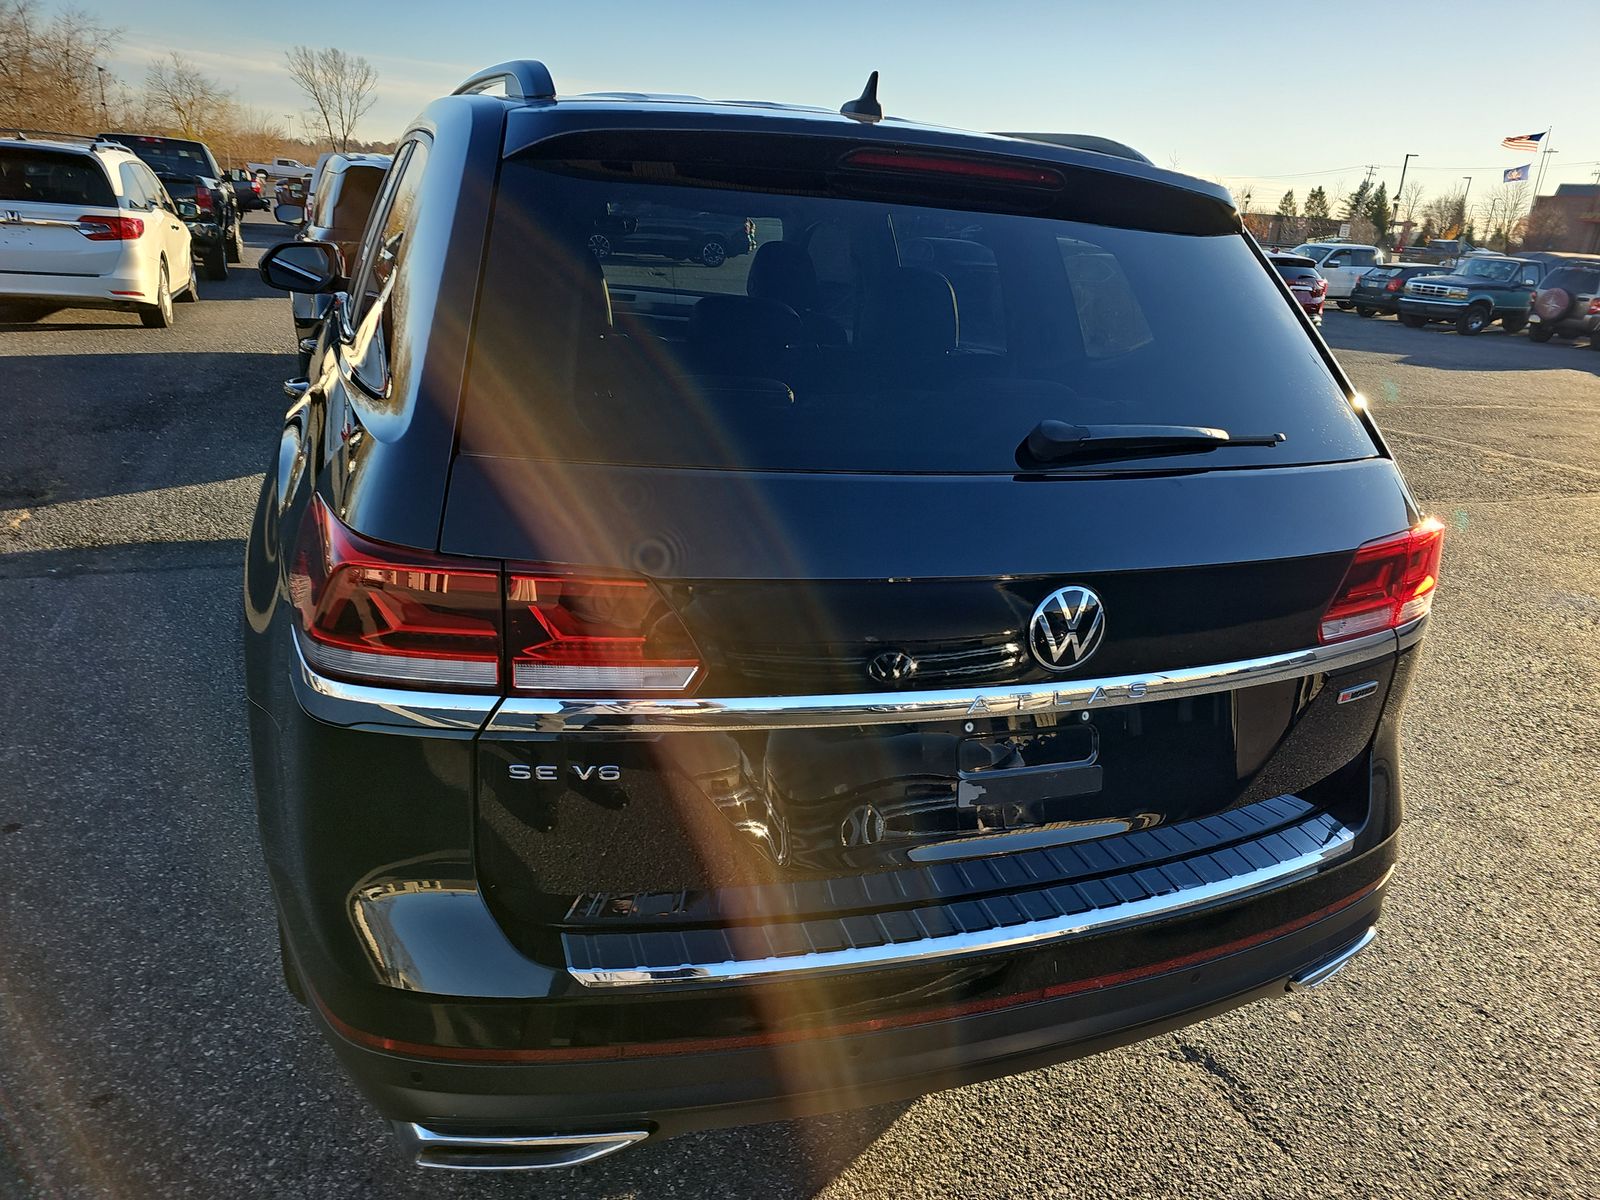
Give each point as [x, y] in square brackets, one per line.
[1389, 583]
[581, 635]
[392, 615]
[110, 229]
[978, 170]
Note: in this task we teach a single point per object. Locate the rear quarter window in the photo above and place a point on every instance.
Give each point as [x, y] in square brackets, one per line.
[53, 177]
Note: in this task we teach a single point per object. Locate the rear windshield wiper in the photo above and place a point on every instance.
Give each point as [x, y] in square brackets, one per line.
[1052, 442]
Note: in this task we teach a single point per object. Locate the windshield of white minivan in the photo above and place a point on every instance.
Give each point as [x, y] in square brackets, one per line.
[644, 323]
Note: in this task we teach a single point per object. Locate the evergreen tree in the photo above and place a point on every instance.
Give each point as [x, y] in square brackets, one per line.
[1288, 207]
[1355, 204]
[1379, 212]
[1317, 204]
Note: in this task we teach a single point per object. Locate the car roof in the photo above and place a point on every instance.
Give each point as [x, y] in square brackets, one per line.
[531, 121]
[70, 146]
[1291, 260]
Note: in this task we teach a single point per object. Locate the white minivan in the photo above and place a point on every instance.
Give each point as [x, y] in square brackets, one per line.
[87, 225]
[1342, 264]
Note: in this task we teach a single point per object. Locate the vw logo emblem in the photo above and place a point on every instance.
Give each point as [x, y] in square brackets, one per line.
[1067, 628]
[892, 666]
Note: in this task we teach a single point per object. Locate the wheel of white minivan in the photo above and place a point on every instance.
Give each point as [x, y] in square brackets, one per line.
[159, 314]
[191, 292]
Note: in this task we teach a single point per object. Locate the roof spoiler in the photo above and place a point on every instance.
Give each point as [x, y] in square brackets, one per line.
[1082, 141]
[521, 79]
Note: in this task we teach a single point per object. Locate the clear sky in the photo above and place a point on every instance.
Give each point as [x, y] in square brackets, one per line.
[1265, 96]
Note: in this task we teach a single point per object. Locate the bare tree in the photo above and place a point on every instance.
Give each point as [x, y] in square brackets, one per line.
[49, 71]
[1406, 203]
[339, 86]
[1504, 209]
[184, 99]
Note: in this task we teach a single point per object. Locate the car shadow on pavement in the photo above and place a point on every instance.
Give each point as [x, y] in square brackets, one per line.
[85, 425]
[1441, 347]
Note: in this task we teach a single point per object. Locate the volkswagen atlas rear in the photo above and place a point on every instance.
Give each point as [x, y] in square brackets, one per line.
[926, 648]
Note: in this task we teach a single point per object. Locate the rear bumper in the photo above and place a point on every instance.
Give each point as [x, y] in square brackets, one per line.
[205, 237]
[81, 291]
[707, 1083]
[1384, 302]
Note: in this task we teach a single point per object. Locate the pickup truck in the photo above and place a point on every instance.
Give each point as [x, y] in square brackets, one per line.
[1475, 294]
[279, 168]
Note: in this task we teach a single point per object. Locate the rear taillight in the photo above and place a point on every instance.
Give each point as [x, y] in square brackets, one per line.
[391, 615]
[1319, 288]
[1394, 285]
[202, 197]
[255, 186]
[581, 635]
[1594, 306]
[111, 229]
[1390, 582]
[385, 614]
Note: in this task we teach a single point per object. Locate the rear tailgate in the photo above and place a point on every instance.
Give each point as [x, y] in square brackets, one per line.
[44, 195]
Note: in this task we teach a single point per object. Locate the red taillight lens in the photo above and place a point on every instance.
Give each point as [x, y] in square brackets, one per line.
[575, 635]
[975, 169]
[111, 229]
[1594, 306]
[1319, 288]
[392, 615]
[1390, 582]
[1395, 284]
[255, 186]
[202, 197]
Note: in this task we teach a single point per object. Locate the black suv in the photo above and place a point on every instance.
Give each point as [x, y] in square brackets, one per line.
[181, 157]
[680, 700]
[670, 231]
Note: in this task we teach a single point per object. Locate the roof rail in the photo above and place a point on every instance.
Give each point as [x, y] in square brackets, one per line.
[1082, 141]
[523, 78]
[50, 135]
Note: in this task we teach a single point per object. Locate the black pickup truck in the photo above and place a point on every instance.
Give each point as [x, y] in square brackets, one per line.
[207, 238]
[181, 156]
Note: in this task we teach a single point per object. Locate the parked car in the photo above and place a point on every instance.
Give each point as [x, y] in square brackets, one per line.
[1567, 303]
[346, 186]
[682, 234]
[1342, 264]
[247, 190]
[87, 225]
[181, 156]
[1308, 287]
[1378, 291]
[278, 170]
[677, 706]
[1477, 292]
[207, 241]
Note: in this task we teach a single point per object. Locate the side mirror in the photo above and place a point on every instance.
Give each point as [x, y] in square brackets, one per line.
[307, 267]
[289, 214]
[188, 210]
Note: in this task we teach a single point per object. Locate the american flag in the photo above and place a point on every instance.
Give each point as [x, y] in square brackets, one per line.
[1528, 141]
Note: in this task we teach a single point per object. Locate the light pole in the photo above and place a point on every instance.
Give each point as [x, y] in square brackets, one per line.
[1464, 193]
[1395, 214]
[101, 75]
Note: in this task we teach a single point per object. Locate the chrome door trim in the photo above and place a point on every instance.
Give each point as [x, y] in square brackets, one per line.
[537, 714]
[758, 969]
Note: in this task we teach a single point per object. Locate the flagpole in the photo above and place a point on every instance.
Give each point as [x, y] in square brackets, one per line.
[1544, 157]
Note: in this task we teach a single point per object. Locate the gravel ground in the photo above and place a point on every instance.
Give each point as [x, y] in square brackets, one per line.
[148, 1050]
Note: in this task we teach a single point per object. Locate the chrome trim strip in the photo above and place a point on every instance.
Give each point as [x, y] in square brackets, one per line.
[1320, 973]
[340, 703]
[1013, 937]
[534, 714]
[527, 1152]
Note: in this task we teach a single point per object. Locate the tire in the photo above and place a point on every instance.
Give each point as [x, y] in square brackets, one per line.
[1474, 321]
[159, 314]
[713, 252]
[1514, 323]
[191, 293]
[1411, 321]
[1540, 333]
[217, 264]
[600, 246]
[1363, 311]
[1344, 305]
[291, 973]
[233, 247]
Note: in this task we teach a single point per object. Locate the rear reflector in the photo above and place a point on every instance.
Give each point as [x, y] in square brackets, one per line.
[111, 229]
[979, 170]
[392, 615]
[574, 635]
[1389, 583]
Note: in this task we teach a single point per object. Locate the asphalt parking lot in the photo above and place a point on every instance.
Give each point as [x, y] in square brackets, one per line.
[147, 1048]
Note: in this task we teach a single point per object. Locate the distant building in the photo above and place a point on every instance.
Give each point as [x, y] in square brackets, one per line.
[1568, 220]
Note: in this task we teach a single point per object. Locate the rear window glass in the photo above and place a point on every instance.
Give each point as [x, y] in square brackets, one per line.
[356, 193]
[661, 324]
[52, 177]
[1573, 279]
[169, 156]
